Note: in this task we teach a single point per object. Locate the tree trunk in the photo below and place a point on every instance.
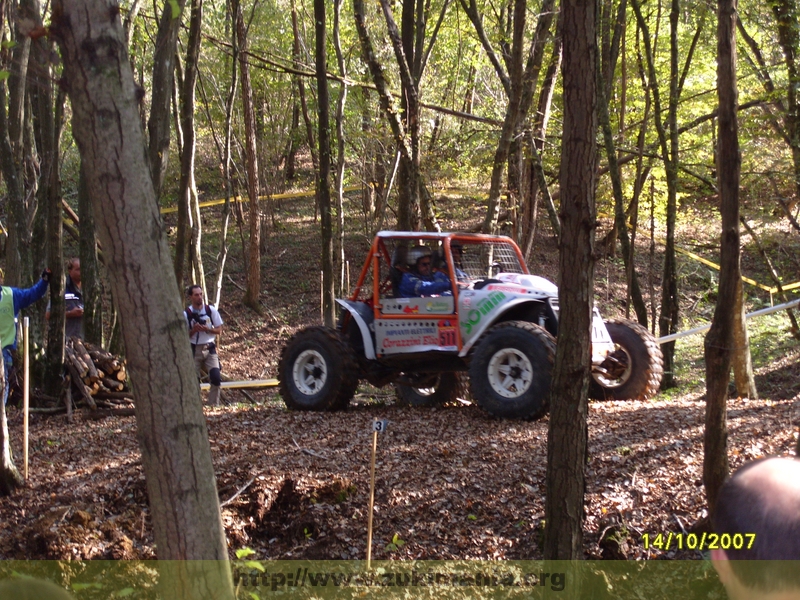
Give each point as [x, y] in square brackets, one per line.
[786, 15]
[301, 93]
[619, 206]
[161, 95]
[668, 140]
[176, 456]
[323, 179]
[719, 340]
[10, 478]
[91, 285]
[254, 249]
[188, 190]
[567, 435]
[54, 360]
[13, 155]
[340, 151]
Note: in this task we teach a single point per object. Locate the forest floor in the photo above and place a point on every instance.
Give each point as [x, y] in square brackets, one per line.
[451, 482]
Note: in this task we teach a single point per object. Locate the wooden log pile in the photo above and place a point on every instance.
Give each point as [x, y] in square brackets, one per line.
[95, 374]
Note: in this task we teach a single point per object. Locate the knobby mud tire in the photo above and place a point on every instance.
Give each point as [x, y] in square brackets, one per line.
[511, 370]
[647, 364]
[318, 371]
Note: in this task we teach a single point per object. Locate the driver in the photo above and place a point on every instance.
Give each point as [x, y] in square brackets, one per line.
[420, 280]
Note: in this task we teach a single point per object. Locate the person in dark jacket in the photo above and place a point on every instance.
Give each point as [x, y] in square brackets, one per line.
[73, 301]
[13, 300]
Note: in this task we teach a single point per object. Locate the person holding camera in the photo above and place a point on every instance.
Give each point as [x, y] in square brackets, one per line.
[204, 325]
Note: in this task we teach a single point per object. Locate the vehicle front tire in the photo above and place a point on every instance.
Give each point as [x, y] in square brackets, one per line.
[317, 371]
[511, 370]
[634, 370]
[445, 388]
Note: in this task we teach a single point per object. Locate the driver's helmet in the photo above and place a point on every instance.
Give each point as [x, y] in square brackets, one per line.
[417, 252]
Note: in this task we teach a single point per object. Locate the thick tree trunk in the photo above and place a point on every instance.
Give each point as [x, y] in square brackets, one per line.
[254, 249]
[171, 427]
[719, 340]
[567, 435]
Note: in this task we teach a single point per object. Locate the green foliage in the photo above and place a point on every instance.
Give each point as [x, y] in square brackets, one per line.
[395, 544]
[242, 553]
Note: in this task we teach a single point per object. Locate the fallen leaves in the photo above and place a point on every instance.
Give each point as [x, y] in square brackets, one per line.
[451, 483]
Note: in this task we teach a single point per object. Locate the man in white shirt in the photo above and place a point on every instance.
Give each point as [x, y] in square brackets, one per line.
[204, 325]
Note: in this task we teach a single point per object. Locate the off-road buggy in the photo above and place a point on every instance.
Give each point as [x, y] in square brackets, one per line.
[499, 324]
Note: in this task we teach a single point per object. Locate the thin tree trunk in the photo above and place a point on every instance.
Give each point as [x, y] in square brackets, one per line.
[188, 189]
[619, 206]
[567, 434]
[254, 253]
[340, 150]
[91, 286]
[176, 456]
[323, 179]
[301, 91]
[668, 140]
[162, 87]
[719, 340]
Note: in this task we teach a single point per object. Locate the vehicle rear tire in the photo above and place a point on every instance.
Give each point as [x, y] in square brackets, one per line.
[634, 369]
[511, 370]
[445, 388]
[317, 371]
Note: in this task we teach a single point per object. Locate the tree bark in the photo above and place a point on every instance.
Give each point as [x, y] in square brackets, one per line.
[254, 249]
[786, 15]
[188, 190]
[567, 434]
[339, 254]
[171, 427]
[719, 339]
[10, 478]
[91, 285]
[619, 206]
[161, 95]
[324, 177]
[668, 141]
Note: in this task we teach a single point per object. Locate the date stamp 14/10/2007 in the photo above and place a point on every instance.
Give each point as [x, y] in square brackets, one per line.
[698, 541]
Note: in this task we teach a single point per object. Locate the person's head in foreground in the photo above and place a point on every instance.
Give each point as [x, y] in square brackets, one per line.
[757, 521]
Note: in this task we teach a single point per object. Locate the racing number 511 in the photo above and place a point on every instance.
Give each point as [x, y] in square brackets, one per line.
[447, 337]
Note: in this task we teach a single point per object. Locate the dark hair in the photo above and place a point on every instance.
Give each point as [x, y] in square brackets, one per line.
[190, 290]
[745, 509]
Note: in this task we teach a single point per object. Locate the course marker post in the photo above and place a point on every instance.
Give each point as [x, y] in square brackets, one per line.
[25, 389]
[378, 426]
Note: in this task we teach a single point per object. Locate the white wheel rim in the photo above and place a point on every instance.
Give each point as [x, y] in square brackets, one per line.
[510, 373]
[610, 383]
[310, 372]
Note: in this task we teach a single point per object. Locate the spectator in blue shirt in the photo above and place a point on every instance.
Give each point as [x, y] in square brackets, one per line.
[420, 280]
[13, 300]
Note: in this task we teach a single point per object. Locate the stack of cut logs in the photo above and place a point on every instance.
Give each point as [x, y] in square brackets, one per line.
[96, 374]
